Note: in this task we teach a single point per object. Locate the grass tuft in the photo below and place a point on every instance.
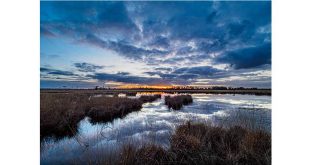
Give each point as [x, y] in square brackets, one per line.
[60, 112]
[177, 102]
[205, 144]
[104, 109]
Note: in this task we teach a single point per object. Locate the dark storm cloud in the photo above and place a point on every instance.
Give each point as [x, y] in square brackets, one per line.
[186, 73]
[200, 70]
[136, 29]
[85, 21]
[123, 73]
[177, 34]
[163, 69]
[188, 20]
[195, 72]
[125, 78]
[185, 50]
[180, 76]
[78, 18]
[246, 77]
[153, 73]
[248, 57]
[160, 41]
[243, 29]
[56, 72]
[211, 26]
[87, 67]
[123, 48]
[178, 61]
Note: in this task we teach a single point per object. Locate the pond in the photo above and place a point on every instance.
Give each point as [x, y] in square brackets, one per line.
[153, 124]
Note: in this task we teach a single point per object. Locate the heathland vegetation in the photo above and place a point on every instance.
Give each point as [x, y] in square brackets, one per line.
[61, 112]
[205, 144]
[177, 102]
[239, 140]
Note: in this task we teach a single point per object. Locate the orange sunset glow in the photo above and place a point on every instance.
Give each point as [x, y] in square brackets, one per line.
[130, 86]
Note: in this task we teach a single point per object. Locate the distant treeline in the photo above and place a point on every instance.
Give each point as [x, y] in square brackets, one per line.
[172, 88]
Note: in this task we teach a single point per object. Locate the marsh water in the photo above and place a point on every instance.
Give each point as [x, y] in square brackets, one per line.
[154, 123]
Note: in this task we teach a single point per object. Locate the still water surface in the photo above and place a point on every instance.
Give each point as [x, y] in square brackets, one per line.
[153, 124]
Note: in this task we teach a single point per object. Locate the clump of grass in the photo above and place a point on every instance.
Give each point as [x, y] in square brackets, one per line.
[149, 98]
[205, 144]
[146, 155]
[217, 145]
[105, 109]
[60, 113]
[177, 102]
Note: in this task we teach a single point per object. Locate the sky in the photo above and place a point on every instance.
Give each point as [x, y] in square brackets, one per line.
[115, 44]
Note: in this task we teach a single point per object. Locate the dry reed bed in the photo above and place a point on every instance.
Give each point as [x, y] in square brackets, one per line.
[60, 113]
[240, 140]
[177, 102]
[104, 109]
[205, 144]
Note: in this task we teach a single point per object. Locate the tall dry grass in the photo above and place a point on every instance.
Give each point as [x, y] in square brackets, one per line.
[61, 112]
[177, 102]
[238, 138]
[205, 144]
[105, 109]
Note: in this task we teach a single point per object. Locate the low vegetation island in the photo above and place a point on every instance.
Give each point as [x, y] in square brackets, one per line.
[61, 112]
[177, 102]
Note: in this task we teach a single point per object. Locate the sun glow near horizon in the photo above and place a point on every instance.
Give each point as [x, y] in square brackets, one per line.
[131, 86]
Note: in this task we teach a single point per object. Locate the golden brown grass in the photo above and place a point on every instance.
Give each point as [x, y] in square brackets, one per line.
[105, 109]
[60, 112]
[204, 144]
[236, 140]
[177, 102]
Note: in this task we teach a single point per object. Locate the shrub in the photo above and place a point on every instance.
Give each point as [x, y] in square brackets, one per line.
[105, 109]
[177, 102]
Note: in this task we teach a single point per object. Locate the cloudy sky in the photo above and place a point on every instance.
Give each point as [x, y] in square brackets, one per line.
[84, 44]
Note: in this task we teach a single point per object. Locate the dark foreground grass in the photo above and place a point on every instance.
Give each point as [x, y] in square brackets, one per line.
[60, 112]
[205, 144]
[177, 102]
